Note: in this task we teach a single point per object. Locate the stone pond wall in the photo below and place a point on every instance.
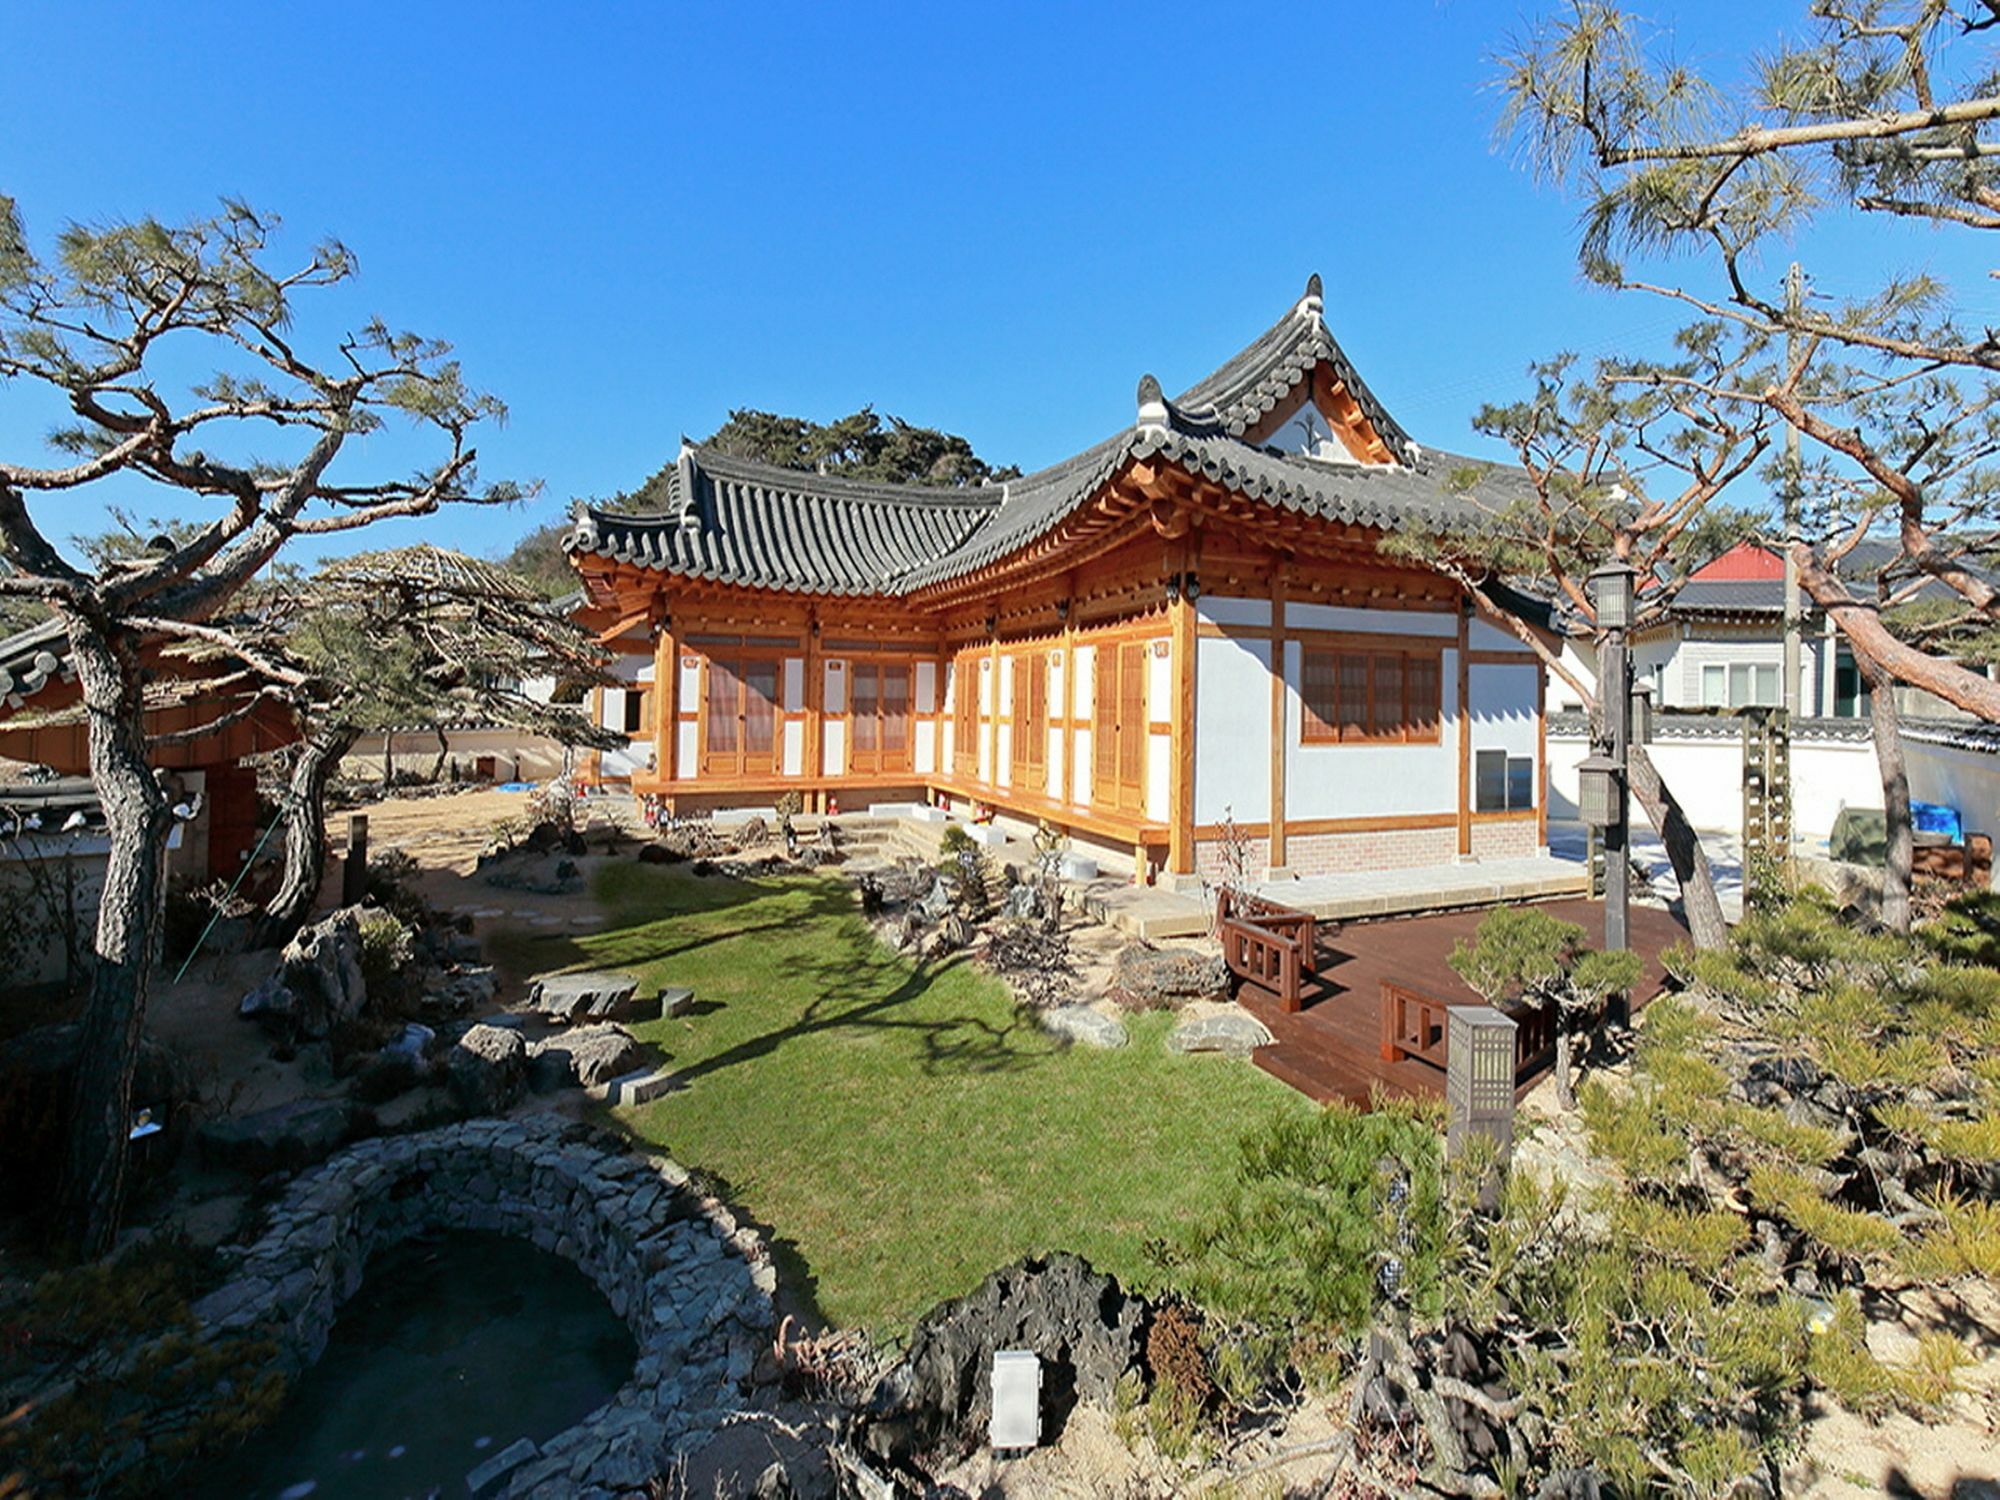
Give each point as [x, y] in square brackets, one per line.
[694, 1286]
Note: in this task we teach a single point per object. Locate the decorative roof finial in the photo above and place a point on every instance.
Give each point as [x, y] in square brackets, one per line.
[1313, 303]
[1152, 405]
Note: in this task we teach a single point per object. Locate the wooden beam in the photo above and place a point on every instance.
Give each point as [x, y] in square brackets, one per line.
[666, 706]
[1280, 747]
[1541, 755]
[1180, 769]
[1464, 733]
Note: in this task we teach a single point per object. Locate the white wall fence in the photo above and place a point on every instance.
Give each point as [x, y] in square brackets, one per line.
[1833, 766]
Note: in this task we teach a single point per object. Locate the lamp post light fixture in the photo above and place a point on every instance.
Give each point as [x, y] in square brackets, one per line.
[1611, 593]
[1642, 713]
[1599, 791]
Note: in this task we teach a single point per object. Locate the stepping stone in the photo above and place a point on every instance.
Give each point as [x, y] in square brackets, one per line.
[676, 1000]
[641, 1086]
[599, 995]
[1233, 1032]
[1083, 1024]
[485, 1480]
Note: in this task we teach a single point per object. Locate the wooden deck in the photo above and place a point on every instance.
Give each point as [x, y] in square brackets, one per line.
[1331, 1049]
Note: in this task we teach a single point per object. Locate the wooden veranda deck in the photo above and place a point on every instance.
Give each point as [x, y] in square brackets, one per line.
[1332, 1047]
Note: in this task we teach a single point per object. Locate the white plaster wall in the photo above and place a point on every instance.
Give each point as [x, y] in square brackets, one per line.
[1004, 735]
[1370, 781]
[625, 762]
[985, 687]
[687, 750]
[1159, 681]
[833, 746]
[1007, 665]
[927, 674]
[1374, 621]
[1232, 741]
[1052, 763]
[793, 762]
[1968, 780]
[1484, 635]
[1706, 777]
[1079, 782]
[793, 692]
[950, 706]
[1504, 708]
[1053, 754]
[632, 668]
[690, 689]
[924, 747]
[833, 687]
[1233, 611]
[1086, 681]
[1159, 777]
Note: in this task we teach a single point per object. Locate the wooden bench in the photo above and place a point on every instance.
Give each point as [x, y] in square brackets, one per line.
[1268, 944]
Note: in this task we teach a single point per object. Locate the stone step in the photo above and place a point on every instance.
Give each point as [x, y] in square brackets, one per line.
[640, 1086]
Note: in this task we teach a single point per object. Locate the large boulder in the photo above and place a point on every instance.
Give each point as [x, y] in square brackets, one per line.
[596, 995]
[1235, 1032]
[1088, 1331]
[588, 1055]
[318, 987]
[1085, 1025]
[487, 1069]
[461, 990]
[284, 1138]
[1149, 978]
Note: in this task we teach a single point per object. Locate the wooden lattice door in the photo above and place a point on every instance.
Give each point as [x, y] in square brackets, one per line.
[740, 717]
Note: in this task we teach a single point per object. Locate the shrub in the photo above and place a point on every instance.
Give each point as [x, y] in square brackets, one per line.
[387, 947]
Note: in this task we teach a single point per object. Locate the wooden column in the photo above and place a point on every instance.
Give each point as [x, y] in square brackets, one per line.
[1276, 854]
[813, 700]
[1180, 769]
[1464, 729]
[666, 701]
[1541, 754]
[1069, 695]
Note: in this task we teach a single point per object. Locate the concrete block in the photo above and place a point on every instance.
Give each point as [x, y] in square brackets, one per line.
[930, 815]
[1077, 867]
[988, 835]
[676, 1000]
[641, 1086]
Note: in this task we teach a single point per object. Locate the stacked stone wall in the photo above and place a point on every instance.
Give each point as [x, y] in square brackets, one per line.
[693, 1285]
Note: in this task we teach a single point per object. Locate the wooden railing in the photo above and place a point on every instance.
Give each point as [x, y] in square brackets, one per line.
[1414, 1025]
[1267, 944]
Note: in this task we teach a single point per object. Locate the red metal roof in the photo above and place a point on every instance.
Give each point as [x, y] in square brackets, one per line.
[1744, 561]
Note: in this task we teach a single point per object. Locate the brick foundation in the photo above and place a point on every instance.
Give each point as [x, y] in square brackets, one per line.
[1517, 838]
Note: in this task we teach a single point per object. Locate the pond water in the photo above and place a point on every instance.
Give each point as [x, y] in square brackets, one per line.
[456, 1345]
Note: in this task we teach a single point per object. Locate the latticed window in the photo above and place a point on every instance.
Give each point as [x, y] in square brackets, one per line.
[1364, 697]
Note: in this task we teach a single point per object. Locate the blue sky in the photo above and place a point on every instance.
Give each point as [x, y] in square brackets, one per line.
[630, 218]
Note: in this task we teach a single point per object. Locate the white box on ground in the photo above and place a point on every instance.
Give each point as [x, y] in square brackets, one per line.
[892, 809]
[1077, 867]
[1017, 1399]
[930, 814]
[989, 834]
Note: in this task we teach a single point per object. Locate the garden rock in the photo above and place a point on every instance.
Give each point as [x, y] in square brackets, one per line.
[461, 991]
[598, 995]
[1230, 1031]
[487, 1069]
[1149, 978]
[588, 1055]
[1084, 1025]
[285, 1137]
[322, 969]
[1023, 902]
[1088, 1331]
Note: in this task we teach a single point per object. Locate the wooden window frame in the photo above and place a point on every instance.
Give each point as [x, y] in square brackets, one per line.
[1316, 728]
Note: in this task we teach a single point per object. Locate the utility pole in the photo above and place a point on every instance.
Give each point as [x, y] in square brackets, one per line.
[1794, 297]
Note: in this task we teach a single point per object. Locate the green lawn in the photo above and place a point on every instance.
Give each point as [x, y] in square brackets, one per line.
[898, 1133]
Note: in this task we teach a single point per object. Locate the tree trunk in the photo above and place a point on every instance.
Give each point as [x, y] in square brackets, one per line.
[1565, 1078]
[130, 916]
[1895, 794]
[305, 832]
[444, 749]
[1690, 861]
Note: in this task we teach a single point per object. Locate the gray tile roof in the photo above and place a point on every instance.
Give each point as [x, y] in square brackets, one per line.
[734, 521]
[30, 658]
[1732, 596]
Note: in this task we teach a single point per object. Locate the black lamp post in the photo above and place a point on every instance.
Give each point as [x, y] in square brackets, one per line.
[1611, 596]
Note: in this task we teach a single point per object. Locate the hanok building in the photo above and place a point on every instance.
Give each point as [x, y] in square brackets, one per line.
[1187, 636]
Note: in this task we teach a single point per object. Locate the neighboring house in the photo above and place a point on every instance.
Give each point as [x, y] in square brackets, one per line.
[1190, 628]
[1721, 644]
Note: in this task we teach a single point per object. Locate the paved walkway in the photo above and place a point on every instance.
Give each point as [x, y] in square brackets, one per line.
[1725, 861]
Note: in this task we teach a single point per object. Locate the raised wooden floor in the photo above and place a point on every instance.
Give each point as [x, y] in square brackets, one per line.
[1331, 1048]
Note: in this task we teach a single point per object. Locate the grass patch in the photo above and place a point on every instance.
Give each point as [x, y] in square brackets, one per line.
[900, 1132]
